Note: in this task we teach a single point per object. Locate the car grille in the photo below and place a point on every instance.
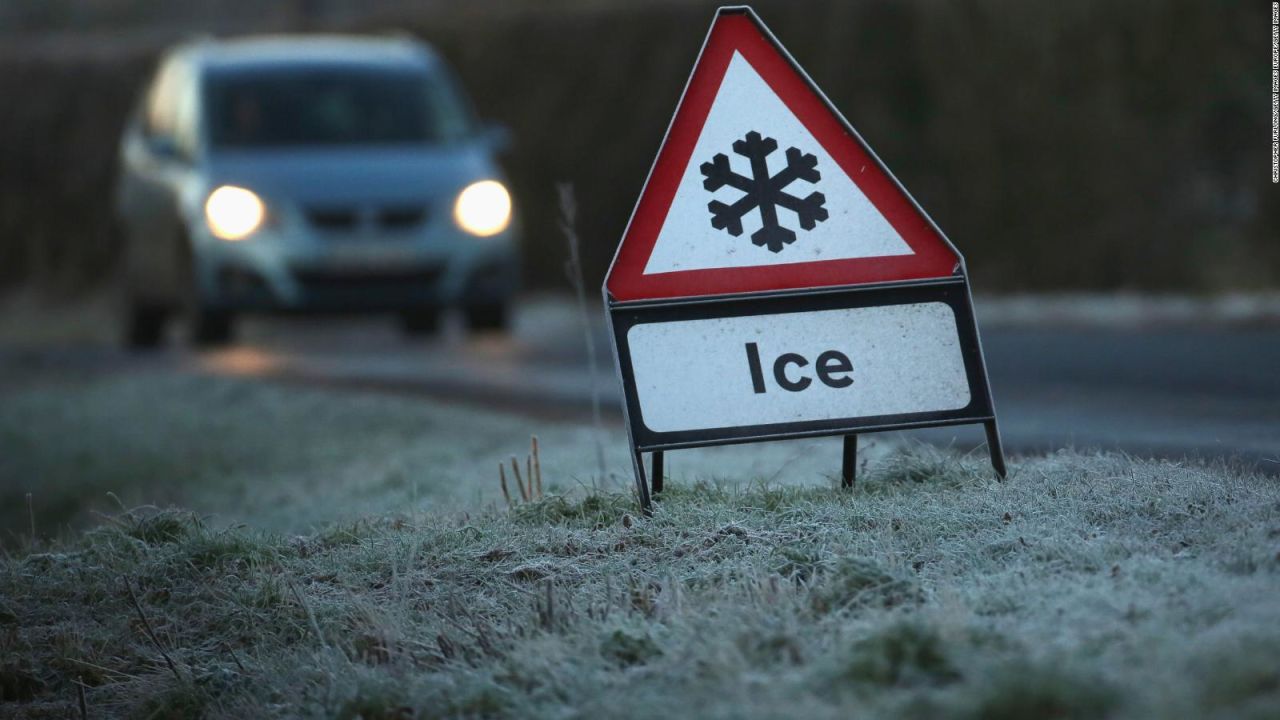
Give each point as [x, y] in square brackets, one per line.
[352, 289]
[324, 279]
[378, 219]
[332, 219]
[401, 218]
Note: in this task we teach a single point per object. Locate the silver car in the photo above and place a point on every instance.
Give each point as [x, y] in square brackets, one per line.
[310, 174]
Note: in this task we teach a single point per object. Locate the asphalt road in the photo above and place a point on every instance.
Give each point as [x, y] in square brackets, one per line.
[1159, 389]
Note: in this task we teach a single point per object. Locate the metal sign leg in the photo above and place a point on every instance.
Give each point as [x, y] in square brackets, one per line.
[995, 448]
[849, 462]
[656, 471]
[642, 486]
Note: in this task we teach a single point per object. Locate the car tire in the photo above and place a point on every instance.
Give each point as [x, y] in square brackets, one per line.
[491, 317]
[420, 323]
[145, 326]
[212, 328]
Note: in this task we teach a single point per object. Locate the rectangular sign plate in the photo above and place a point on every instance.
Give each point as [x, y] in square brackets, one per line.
[786, 366]
[798, 366]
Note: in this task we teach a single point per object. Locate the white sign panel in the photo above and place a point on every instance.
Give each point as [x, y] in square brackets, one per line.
[798, 367]
[853, 227]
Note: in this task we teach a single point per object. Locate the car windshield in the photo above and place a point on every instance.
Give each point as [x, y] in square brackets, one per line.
[332, 106]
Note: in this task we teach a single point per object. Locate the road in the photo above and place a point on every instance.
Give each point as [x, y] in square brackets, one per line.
[1168, 389]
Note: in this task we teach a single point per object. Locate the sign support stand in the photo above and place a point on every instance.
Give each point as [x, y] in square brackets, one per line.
[849, 464]
[642, 487]
[996, 448]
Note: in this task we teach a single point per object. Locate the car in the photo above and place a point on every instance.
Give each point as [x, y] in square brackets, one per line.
[310, 174]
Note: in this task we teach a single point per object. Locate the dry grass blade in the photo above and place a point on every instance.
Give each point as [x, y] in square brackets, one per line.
[502, 480]
[515, 470]
[234, 657]
[529, 483]
[573, 268]
[151, 633]
[537, 463]
[311, 617]
[80, 700]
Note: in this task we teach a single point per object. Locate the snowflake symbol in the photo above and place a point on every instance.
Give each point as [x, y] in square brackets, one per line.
[764, 192]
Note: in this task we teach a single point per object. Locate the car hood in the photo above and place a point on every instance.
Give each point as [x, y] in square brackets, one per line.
[351, 175]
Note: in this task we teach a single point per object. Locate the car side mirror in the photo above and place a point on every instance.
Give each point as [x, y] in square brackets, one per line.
[496, 136]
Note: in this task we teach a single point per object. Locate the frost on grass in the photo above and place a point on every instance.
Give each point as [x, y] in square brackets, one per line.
[284, 458]
[1083, 587]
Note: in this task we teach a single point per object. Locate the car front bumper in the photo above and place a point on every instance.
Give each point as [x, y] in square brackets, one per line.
[273, 271]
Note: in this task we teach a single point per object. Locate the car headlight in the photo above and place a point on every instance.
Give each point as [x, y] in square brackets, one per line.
[483, 208]
[233, 213]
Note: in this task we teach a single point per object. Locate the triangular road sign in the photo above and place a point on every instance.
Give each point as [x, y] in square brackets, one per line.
[762, 186]
[775, 281]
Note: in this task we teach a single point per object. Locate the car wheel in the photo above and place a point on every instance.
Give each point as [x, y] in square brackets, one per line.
[212, 328]
[488, 317]
[419, 323]
[144, 326]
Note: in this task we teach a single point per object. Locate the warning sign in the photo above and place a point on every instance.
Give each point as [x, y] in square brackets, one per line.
[776, 280]
[760, 185]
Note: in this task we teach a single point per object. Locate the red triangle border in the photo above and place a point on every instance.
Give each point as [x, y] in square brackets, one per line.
[741, 31]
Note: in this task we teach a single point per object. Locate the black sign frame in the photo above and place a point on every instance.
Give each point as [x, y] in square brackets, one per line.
[954, 292]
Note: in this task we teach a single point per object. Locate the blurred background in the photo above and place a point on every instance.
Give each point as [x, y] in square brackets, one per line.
[1092, 145]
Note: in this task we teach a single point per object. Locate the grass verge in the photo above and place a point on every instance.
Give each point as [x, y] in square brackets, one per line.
[1085, 586]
